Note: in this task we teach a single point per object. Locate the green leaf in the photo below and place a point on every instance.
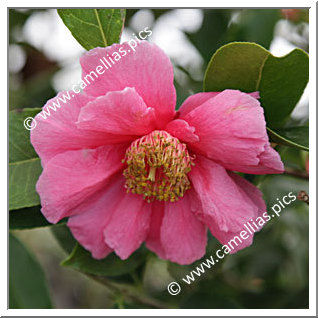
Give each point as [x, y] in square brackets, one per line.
[254, 25]
[215, 25]
[23, 176]
[28, 218]
[236, 65]
[291, 136]
[20, 147]
[282, 82]
[249, 25]
[94, 27]
[24, 165]
[64, 237]
[112, 265]
[249, 67]
[37, 89]
[27, 284]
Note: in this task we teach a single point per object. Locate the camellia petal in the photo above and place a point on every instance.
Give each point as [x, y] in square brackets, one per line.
[146, 68]
[121, 113]
[269, 162]
[233, 123]
[183, 235]
[198, 99]
[225, 206]
[195, 101]
[153, 240]
[58, 132]
[88, 225]
[181, 129]
[129, 223]
[70, 178]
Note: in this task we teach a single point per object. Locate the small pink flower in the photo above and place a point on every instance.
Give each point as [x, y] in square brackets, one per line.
[126, 168]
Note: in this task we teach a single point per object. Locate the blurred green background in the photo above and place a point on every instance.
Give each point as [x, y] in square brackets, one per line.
[272, 273]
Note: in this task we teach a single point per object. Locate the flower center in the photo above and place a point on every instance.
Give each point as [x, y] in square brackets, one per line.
[157, 167]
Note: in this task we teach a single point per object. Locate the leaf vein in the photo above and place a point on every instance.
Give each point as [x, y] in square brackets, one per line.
[100, 27]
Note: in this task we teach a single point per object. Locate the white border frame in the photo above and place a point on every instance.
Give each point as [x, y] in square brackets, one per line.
[312, 182]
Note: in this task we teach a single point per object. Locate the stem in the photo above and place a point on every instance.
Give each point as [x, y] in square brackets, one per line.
[296, 173]
[130, 292]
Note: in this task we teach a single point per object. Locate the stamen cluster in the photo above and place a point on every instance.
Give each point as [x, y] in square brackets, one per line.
[157, 167]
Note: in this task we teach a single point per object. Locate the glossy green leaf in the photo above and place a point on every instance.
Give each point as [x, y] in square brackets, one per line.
[282, 82]
[27, 283]
[215, 25]
[249, 67]
[20, 147]
[23, 176]
[236, 65]
[249, 25]
[24, 164]
[35, 91]
[94, 27]
[64, 237]
[112, 265]
[28, 218]
[291, 136]
[254, 25]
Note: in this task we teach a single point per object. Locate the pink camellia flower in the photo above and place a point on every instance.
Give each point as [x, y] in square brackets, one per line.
[126, 168]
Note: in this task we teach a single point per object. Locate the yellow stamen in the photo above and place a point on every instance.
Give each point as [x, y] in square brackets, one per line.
[157, 167]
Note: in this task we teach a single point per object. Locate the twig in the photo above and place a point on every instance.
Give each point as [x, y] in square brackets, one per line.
[297, 173]
[130, 292]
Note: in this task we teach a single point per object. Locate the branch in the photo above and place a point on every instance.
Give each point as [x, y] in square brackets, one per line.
[296, 173]
[130, 292]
